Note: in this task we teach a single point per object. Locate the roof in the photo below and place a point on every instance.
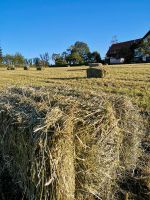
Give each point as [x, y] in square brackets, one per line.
[148, 33]
[116, 47]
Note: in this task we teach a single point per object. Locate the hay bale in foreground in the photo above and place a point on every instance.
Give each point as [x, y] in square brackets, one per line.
[42, 148]
[70, 145]
[96, 72]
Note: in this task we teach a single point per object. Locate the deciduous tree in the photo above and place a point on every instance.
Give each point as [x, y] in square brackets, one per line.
[145, 47]
[45, 59]
[94, 57]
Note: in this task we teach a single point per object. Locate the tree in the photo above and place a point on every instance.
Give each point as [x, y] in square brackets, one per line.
[45, 59]
[8, 59]
[82, 49]
[74, 58]
[59, 59]
[28, 62]
[94, 57]
[64, 55]
[145, 47]
[36, 61]
[79, 53]
[19, 59]
[1, 56]
[55, 56]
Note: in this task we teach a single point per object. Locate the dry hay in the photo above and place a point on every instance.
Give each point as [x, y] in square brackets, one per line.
[94, 72]
[11, 67]
[95, 64]
[62, 144]
[26, 67]
[39, 68]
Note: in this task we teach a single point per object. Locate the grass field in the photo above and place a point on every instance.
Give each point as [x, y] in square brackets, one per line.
[86, 124]
[130, 80]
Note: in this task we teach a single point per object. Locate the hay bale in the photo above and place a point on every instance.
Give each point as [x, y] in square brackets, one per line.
[39, 68]
[70, 145]
[27, 67]
[96, 72]
[11, 67]
[43, 153]
[95, 64]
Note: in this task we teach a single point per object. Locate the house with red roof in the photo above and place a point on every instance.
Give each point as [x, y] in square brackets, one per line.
[129, 50]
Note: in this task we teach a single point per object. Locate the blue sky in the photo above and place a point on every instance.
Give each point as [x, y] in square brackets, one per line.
[32, 27]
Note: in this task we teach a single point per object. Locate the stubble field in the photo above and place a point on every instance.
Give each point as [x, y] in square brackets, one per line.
[66, 137]
[129, 80]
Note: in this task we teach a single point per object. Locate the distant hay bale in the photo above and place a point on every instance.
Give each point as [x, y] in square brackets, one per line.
[96, 72]
[70, 145]
[39, 68]
[27, 67]
[11, 67]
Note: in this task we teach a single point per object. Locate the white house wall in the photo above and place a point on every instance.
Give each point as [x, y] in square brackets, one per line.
[117, 61]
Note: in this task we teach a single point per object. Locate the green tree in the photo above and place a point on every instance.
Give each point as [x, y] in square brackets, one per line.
[94, 57]
[74, 58]
[145, 47]
[59, 59]
[80, 48]
[19, 59]
[8, 59]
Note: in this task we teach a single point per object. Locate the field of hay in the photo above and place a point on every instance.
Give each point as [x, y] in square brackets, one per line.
[129, 80]
[66, 137]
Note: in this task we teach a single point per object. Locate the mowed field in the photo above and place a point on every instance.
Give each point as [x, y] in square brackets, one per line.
[57, 117]
[129, 80]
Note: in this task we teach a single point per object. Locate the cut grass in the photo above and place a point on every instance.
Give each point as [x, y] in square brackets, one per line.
[129, 80]
[132, 81]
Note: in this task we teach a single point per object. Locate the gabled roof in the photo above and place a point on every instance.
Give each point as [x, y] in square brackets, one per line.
[116, 47]
[148, 33]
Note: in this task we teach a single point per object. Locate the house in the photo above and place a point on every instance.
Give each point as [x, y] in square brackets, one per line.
[119, 52]
[138, 55]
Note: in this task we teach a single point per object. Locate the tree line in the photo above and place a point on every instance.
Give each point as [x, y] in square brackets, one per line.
[77, 54]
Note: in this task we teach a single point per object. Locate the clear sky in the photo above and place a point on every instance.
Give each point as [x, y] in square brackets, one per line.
[32, 27]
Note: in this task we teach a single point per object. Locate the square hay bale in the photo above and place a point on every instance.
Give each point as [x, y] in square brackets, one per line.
[63, 148]
[39, 68]
[95, 64]
[11, 67]
[96, 72]
[26, 67]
